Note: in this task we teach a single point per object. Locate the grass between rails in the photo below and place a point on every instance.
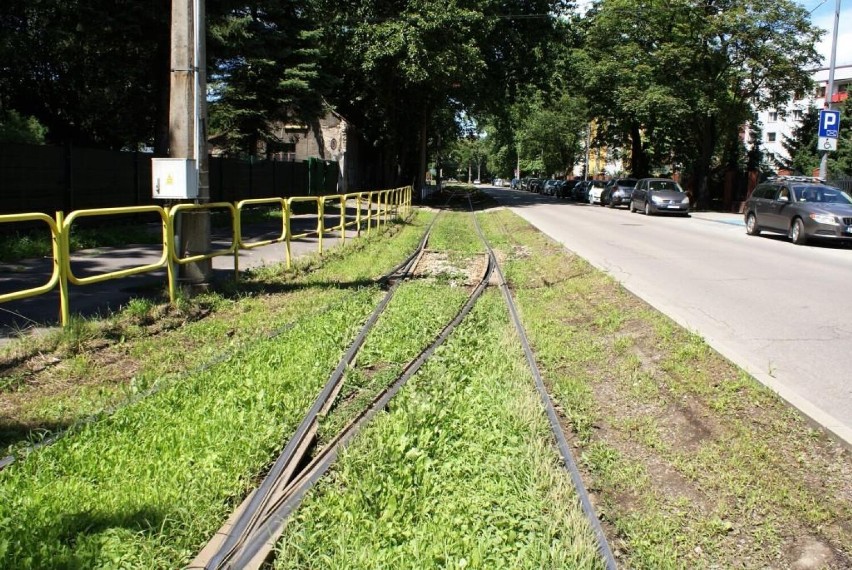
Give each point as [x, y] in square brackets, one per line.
[459, 473]
[693, 462]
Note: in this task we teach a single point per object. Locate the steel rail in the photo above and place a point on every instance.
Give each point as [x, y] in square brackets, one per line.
[556, 427]
[283, 469]
[261, 543]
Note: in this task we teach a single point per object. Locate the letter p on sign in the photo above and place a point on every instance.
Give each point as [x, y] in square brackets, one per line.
[829, 124]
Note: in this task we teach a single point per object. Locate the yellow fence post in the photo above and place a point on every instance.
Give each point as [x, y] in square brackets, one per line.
[320, 221]
[237, 229]
[63, 258]
[288, 233]
[358, 215]
[343, 219]
[168, 243]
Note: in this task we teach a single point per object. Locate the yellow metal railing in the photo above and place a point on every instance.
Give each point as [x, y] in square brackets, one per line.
[371, 211]
[55, 238]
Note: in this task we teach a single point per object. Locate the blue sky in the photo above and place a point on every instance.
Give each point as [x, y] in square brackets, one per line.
[823, 17]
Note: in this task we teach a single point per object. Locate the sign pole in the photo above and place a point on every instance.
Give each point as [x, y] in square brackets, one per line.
[829, 90]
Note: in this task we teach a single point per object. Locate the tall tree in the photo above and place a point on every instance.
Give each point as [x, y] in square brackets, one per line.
[801, 146]
[687, 74]
[265, 66]
[92, 72]
[402, 61]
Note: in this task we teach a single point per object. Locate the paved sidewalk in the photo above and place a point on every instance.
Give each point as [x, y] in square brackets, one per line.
[42, 312]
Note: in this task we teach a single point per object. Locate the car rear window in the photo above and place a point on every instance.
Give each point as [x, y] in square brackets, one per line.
[629, 182]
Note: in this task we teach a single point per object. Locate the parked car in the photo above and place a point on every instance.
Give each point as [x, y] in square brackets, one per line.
[580, 192]
[618, 192]
[536, 185]
[565, 188]
[595, 189]
[549, 187]
[800, 207]
[515, 184]
[658, 196]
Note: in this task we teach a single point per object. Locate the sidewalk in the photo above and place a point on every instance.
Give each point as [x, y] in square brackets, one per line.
[42, 312]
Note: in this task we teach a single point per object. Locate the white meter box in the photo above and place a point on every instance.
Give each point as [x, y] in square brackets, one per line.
[174, 179]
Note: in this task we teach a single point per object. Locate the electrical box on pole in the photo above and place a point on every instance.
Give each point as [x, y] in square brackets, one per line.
[174, 179]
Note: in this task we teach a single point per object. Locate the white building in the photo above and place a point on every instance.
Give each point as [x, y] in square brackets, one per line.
[779, 123]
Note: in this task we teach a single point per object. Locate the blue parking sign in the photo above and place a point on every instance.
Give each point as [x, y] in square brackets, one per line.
[829, 124]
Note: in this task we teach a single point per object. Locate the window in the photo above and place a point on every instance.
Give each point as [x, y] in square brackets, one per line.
[773, 116]
[820, 92]
[798, 114]
[770, 137]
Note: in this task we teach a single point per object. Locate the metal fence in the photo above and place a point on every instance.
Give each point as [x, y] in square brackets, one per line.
[357, 211]
[844, 184]
[36, 178]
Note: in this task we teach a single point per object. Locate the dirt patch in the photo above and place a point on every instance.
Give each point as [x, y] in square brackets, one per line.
[459, 270]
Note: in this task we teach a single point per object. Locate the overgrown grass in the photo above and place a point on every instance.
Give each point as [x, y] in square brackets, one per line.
[147, 343]
[147, 485]
[459, 473]
[696, 464]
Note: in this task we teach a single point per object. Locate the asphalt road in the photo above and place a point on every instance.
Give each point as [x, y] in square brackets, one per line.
[781, 312]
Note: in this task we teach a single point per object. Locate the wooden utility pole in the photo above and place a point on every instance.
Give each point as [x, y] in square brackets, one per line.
[188, 128]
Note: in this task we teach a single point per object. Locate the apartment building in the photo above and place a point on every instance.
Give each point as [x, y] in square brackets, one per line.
[779, 123]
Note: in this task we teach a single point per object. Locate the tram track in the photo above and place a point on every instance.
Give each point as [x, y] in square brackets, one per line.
[248, 538]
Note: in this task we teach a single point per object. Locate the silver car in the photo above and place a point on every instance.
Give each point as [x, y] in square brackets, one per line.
[800, 207]
[659, 196]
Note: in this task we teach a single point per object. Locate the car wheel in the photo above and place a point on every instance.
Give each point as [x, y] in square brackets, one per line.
[610, 204]
[647, 209]
[591, 200]
[797, 232]
[631, 208]
[752, 228]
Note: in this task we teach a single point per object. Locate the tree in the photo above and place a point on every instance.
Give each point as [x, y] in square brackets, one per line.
[92, 72]
[17, 129]
[401, 62]
[265, 67]
[801, 146]
[685, 76]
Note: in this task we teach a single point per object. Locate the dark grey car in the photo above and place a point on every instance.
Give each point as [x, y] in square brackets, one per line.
[800, 207]
[618, 192]
[659, 195]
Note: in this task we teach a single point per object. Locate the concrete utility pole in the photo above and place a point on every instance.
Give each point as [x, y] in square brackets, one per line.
[829, 89]
[188, 127]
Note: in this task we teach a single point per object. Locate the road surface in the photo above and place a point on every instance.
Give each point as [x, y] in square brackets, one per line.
[781, 312]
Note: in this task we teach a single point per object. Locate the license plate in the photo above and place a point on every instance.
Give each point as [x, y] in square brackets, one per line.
[674, 207]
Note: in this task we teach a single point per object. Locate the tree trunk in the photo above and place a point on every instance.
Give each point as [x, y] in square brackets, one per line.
[420, 178]
[706, 146]
[639, 166]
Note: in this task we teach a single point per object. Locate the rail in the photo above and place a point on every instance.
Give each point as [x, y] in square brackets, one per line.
[371, 210]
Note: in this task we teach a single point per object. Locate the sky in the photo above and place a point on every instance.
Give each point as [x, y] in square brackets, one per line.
[822, 16]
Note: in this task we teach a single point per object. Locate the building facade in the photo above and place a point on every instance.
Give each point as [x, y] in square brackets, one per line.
[778, 124]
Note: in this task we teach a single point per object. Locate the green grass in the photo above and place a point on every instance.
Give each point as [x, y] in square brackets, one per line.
[147, 485]
[692, 463]
[30, 244]
[458, 474]
[695, 463]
